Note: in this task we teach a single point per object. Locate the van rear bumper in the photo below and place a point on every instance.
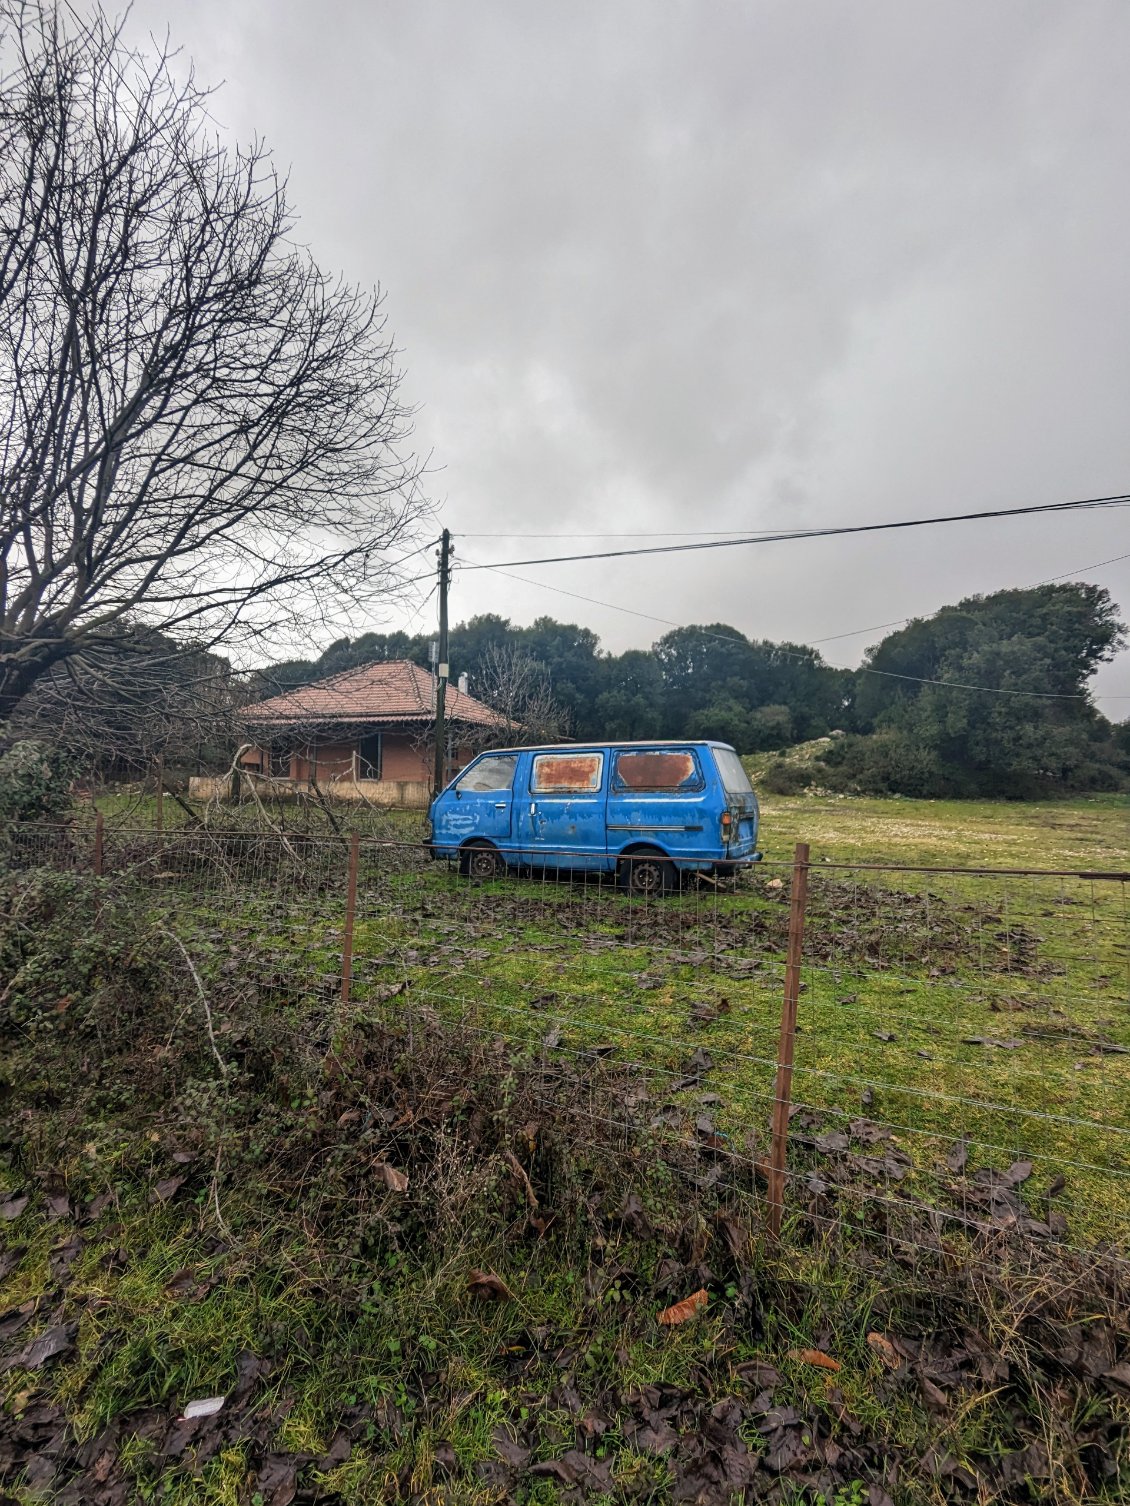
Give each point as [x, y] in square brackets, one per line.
[728, 866]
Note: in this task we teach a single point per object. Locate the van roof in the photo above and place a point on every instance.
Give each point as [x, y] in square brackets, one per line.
[596, 745]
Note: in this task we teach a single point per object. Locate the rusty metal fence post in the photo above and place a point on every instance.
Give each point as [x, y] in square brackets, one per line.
[782, 1093]
[350, 915]
[99, 825]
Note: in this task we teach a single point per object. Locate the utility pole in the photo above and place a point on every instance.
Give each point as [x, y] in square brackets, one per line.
[442, 668]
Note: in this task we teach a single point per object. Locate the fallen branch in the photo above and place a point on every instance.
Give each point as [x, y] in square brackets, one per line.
[520, 1176]
[203, 1000]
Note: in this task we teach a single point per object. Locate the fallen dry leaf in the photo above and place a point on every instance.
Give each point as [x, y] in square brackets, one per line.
[958, 1158]
[487, 1285]
[395, 1181]
[815, 1357]
[685, 1309]
[166, 1189]
[934, 1396]
[885, 1350]
[47, 1346]
[276, 1484]
[181, 1282]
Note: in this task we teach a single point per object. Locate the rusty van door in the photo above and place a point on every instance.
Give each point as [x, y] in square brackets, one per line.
[561, 811]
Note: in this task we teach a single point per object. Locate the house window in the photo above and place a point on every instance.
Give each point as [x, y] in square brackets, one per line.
[369, 757]
[567, 773]
[279, 763]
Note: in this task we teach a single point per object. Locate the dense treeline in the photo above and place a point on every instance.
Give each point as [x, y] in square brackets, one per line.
[1030, 728]
[694, 682]
[988, 697]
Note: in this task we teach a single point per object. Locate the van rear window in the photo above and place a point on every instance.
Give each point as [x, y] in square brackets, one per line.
[735, 780]
[567, 773]
[659, 770]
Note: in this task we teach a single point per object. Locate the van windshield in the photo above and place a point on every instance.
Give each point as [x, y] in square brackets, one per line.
[488, 776]
[734, 778]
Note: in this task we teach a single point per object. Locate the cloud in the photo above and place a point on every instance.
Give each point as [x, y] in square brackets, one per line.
[714, 266]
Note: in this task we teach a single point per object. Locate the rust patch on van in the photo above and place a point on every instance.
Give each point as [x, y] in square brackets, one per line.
[573, 772]
[655, 771]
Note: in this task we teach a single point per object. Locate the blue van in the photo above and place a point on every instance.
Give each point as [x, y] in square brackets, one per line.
[647, 812]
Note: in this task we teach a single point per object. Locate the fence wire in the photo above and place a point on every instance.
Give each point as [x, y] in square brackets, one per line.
[962, 1046]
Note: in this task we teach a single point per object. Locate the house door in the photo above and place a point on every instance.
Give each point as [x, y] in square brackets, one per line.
[369, 757]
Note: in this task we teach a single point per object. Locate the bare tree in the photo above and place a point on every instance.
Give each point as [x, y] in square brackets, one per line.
[199, 431]
[518, 687]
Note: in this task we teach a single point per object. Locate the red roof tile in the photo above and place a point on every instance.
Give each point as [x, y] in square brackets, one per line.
[393, 691]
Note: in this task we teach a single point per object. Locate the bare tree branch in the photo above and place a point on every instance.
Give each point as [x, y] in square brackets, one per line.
[200, 432]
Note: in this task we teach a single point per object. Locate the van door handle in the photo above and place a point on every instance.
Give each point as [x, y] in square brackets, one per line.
[500, 805]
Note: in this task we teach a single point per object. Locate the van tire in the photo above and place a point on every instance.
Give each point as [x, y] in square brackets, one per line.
[647, 873]
[479, 860]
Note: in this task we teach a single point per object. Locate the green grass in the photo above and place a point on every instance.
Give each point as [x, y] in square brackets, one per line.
[558, 969]
[932, 961]
[1091, 834]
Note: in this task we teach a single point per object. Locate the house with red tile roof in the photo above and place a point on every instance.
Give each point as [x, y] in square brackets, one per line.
[365, 733]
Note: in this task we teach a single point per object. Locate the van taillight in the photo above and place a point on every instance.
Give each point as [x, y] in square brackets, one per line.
[727, 822]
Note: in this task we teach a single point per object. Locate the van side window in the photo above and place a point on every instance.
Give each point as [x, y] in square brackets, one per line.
[567, 773]
[666, 771]
[488, 775]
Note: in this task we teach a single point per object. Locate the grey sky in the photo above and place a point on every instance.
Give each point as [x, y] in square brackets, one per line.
[720, 265]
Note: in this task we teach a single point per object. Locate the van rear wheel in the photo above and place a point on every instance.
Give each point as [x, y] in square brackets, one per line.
[480, 862]
[647, 873]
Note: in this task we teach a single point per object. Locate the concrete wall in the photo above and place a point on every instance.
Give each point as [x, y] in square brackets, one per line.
[399, 794]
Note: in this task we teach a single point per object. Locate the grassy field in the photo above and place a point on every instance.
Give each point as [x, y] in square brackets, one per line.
[217, 1210]
[950, 1005]
[987, 1007]
[1091, 834]
[946, 1006]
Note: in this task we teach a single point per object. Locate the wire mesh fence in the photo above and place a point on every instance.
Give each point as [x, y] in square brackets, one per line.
[886, 1050]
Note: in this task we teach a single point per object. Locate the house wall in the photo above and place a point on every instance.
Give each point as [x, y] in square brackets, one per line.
[331, 761]
[406, 771]
[400, 760]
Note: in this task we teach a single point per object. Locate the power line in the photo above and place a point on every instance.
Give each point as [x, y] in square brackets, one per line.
[1047, 581]
[817, 533]
[786, 653]
[635, 533]
[404, 558]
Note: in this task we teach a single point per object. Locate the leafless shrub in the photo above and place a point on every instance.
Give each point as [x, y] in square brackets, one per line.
[518, 687]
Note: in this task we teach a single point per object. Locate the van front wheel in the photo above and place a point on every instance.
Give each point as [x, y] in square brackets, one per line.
[647, 873]
[480, 862]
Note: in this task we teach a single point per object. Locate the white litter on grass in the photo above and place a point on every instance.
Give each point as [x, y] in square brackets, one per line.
[205, 1407]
